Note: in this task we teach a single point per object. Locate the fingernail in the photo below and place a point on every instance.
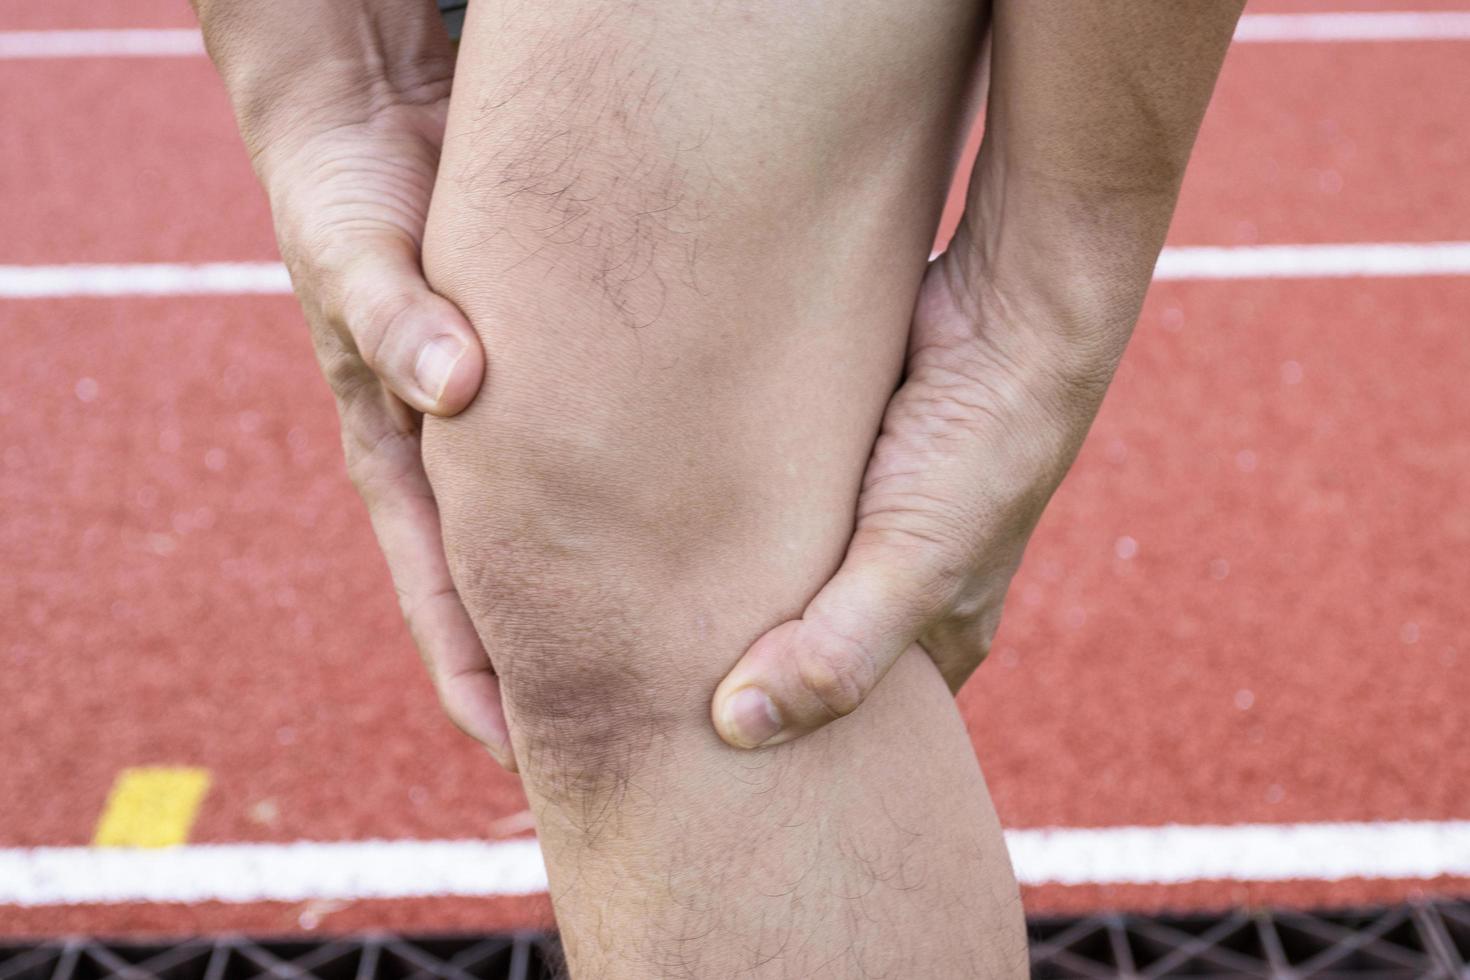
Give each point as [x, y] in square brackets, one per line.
[751, 718]
[436, 362]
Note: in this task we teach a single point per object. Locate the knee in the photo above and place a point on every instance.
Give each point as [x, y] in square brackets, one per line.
[618, 545]
[588, 728]
[573, 592]
[591, 671]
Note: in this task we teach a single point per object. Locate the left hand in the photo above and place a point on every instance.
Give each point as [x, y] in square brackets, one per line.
[343, 107]
[988, 419]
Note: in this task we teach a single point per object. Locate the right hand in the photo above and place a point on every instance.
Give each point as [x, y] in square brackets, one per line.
[348, 150]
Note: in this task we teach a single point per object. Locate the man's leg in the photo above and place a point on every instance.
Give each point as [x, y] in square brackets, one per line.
[691, 235]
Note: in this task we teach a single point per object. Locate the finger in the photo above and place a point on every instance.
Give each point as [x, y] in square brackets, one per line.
[416, 341]
[810, 671]
[385, 465]
[406, 522]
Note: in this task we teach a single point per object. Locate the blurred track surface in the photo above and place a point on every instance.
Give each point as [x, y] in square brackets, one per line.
[1247, 604]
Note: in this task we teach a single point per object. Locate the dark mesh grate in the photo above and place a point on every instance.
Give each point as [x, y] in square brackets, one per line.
[519, 957]
[1425, 941]
[1420, 940]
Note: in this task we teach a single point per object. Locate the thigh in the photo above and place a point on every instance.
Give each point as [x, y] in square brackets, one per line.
[690, 235]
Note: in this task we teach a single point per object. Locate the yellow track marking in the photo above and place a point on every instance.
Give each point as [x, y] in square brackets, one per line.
[151, 806]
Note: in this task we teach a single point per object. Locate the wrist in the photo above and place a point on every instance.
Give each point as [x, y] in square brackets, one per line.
[1081, 248]
[1061, 267]
[293, 70]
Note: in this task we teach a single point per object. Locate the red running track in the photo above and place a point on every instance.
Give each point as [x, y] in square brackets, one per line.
[190, 580]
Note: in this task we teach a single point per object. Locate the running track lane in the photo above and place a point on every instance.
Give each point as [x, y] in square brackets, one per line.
[110, 176]
[1253, 28]
[1074, 659]
[1310, 615]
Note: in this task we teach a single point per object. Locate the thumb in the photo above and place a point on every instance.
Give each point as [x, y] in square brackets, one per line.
[810, 671]
[417, 342]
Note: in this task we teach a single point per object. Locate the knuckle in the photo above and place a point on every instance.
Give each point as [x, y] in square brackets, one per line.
[371, 468]
[372, 314]
[342, 369]
[943, 579]
[312, 253]
[837, 674]
[364, 481]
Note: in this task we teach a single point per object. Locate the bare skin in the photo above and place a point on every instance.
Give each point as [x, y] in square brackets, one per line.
[1093, 110]
[696, 240]
[342, 106]
[696, 328]
[693, 240]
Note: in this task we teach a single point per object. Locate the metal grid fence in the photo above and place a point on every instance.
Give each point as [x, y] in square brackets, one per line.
[379, 957]
[1418, 940]
[1425, 941]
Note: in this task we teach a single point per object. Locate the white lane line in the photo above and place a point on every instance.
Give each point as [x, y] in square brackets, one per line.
[270, 872]
[1315, 261]
[411, 869]
[1377, 26]
[164, 42]
[142, 279]
[186, 42]
[1244, 852]
[1183, 263]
